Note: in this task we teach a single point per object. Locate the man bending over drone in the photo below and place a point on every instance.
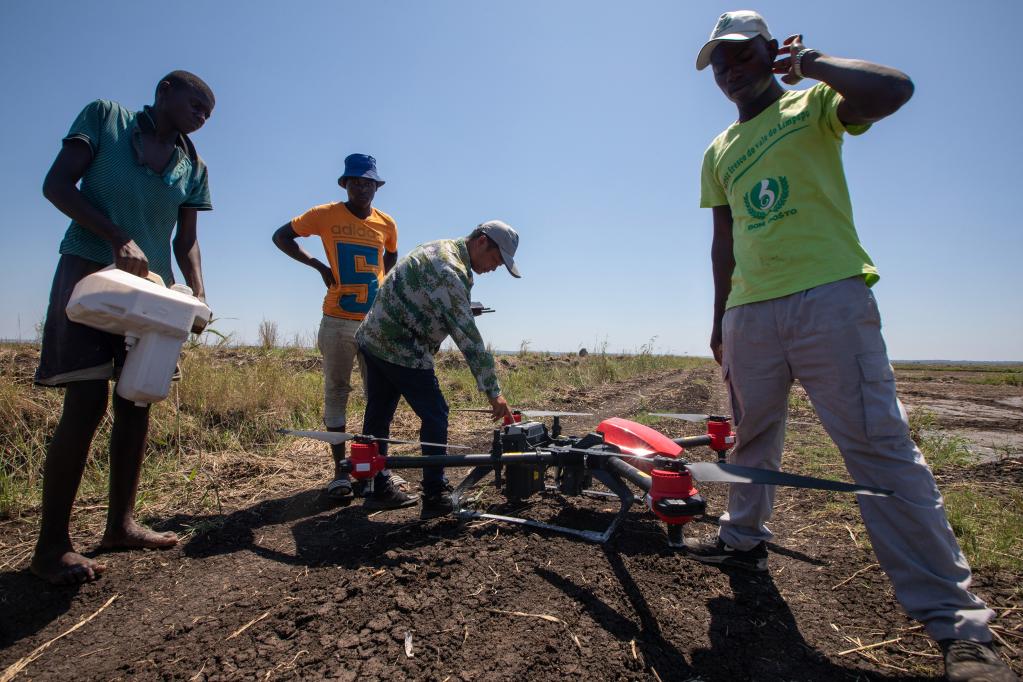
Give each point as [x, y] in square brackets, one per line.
[425, 299]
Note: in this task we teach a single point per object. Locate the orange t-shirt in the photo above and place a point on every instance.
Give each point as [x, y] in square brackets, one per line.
[355, 250]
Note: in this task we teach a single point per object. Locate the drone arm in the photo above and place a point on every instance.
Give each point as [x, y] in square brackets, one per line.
[628, 472]
[690, 442]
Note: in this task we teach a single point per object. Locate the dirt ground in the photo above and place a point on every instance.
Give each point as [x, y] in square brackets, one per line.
[287, 587]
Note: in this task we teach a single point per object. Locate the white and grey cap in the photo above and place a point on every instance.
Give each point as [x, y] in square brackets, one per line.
[737, 26]
[507, 240]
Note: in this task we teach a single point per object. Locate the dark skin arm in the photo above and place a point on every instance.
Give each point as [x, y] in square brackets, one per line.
[722, 260]
[61, 188]
[869, 91]
[186, 252]
[285, 239]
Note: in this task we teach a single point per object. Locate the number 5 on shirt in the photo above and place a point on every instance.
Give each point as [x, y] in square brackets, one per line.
[358, 265]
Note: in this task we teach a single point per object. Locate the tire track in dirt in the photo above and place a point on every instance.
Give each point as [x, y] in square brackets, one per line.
[697, 389]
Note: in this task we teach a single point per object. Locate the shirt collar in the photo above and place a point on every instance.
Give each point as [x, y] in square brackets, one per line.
[145, 123]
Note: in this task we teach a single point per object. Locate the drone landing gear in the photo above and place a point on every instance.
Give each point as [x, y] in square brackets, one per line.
[615, 484]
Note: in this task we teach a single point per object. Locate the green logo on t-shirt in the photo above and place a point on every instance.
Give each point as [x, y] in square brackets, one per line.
[767, 196]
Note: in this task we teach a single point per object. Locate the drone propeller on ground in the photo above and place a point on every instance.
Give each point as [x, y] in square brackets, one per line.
[553, 413]
[722, 472]
[338, 437]
[692, 417]
[527, 413]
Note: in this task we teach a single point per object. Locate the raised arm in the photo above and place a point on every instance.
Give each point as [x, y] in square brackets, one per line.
[722, 259]
[869, 91]
[61, 188]
[285, 239]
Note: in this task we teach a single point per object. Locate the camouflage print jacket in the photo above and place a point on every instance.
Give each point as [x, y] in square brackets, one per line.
[423, 300]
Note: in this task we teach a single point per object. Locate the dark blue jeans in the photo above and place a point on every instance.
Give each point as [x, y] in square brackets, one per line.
[386, 383]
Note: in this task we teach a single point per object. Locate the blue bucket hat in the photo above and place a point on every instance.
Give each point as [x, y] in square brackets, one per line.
[360, 166]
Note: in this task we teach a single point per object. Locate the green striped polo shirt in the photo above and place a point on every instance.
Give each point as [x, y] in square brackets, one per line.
[140, 201]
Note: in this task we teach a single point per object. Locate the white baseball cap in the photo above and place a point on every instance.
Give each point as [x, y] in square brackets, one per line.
[737, 26]
[507, 240]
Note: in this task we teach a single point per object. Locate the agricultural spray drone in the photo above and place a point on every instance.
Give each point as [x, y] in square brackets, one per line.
[616, 454]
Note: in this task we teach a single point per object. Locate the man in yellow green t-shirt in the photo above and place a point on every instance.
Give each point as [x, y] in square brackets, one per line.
[792, 301]
[361, 245]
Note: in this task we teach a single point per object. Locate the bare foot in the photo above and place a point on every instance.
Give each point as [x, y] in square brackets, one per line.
[134, 536]
[65, 567]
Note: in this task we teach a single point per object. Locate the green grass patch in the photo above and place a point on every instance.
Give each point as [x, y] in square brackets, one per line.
[1006, 379]
[942, 450]
[987, 525]
[1012, 368]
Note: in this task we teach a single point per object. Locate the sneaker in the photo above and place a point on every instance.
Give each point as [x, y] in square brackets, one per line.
[399, 482]
[437, 502]
[712, 550]
[965, 660]
[389, 497]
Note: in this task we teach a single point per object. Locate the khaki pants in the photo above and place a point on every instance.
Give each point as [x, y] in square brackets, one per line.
[829, 338]
[336, 341]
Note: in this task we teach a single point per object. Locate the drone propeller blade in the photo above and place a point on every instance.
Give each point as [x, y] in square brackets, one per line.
[553, 413]
[683, 417]
[332, 437]
[732, 473]
[397, 441]
[338, 437]
[481, 410]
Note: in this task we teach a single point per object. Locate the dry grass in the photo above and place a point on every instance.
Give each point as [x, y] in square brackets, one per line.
[215, 438]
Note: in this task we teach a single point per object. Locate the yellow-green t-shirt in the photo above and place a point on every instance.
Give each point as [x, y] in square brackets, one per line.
[355, 250]
[781, 174]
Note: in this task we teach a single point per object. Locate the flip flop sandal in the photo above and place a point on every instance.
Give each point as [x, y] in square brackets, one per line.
[340, 490]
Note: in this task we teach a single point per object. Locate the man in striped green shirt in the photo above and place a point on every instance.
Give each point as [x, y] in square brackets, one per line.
[425, 299]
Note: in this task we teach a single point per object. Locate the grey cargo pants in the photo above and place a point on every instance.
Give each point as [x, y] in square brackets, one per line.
[829, 338]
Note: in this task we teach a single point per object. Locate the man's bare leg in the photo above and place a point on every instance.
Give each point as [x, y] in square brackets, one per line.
[55, 560]
[127, 448]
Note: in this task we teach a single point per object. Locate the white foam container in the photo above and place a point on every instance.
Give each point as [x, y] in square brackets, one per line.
[154, 320]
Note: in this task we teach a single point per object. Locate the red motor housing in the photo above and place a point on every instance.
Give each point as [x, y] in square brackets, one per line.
[366, 460]
[673, 498]
[721, 436]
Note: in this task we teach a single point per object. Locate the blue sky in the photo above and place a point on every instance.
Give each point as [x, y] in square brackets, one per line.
[581, 123]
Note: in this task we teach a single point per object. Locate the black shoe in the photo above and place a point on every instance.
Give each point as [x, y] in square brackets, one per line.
[713, 550]
[437, 502]
[359, 487]
[965, 660]
[389, 497]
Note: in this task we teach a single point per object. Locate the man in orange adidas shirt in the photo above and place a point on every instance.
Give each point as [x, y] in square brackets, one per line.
[361, 244]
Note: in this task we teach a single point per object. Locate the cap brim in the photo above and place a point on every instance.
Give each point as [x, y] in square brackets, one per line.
[703, 59]
[509, 263]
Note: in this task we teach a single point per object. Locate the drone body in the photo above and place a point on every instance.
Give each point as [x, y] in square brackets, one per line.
[617, 454]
